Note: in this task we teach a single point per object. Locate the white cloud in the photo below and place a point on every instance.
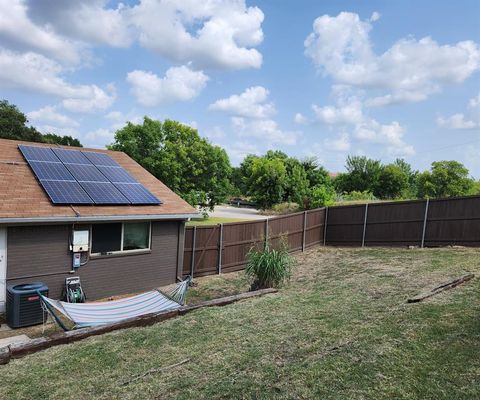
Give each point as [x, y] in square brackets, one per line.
[375, 16]
[99, 137]
[36, 73]
[49, 114]
[179, 84]
[252, 103]
[119, 119]
[462, 121]
[300, 119]
[348, 113]
[341, 143]
[91, 21]
[409, 71]
[211, 34]
[456, 121]
[265, 130]
[17, 31]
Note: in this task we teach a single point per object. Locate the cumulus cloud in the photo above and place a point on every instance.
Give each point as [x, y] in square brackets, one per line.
[461, 120]
[50, 114]
[348, 114]
[18, 32]
[266, 130]
[251, 114]
[409, 71]
[36, 73]
[252, 103]
[91, 21]
[178, 84]
[341, 143]
[211, 34]
[300, 119]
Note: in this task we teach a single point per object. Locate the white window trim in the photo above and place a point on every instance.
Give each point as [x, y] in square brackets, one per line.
[121, 251]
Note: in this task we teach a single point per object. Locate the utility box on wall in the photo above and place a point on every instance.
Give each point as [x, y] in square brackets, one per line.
[81, 240]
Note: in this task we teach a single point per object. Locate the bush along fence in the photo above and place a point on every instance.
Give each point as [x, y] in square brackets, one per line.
[424, 223]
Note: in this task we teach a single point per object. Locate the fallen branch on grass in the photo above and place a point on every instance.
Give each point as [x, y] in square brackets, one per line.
[154, 371]
[441, 288]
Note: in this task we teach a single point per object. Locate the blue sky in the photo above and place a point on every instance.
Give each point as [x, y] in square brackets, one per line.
[313, 78]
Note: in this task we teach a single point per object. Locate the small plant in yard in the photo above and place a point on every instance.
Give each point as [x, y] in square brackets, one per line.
[269, 267]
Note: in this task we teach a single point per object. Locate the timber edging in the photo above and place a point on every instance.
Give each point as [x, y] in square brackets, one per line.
[22, 349]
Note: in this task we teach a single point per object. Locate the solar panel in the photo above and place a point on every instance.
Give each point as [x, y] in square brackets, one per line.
[65, 192]
[86, 173]
[51, 171]
[37, 153]
[137, 194]
[117, 174]
[100, 159]
[71, 156]
[76, 177]
[104, 193]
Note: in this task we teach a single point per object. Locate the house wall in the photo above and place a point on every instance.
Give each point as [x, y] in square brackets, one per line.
[41, 253]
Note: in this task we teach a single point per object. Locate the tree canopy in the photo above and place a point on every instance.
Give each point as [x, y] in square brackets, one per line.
[445, 179]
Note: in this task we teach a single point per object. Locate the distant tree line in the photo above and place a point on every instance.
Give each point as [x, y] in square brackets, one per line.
[13, 125]
[201, 173]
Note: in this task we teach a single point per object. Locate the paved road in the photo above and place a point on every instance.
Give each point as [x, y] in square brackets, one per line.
[236, 212]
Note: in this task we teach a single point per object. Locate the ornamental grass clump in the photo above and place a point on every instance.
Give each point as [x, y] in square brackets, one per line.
[269, 267]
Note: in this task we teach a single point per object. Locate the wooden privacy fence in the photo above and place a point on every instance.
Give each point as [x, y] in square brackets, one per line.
[439, 222]
[220, 248]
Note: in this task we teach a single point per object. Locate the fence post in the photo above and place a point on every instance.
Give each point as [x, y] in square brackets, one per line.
[192, 259]
[425, 222]
[304, 229]
[365, 225]
[325, 227]
[266, 232]
[220, 250]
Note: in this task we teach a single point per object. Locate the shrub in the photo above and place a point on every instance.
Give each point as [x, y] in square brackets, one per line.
[355, 195]
[322, 196]
[269, 267]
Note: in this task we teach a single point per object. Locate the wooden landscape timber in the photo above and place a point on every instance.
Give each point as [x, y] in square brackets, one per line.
[441, 288]
[58, 338]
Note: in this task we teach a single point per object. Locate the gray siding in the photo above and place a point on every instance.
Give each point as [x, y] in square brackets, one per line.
[40, 253]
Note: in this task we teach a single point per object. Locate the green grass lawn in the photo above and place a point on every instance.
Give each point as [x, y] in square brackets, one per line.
[214, 221]
[340, 330]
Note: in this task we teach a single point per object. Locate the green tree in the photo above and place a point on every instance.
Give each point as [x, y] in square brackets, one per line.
[392, 182]
[13, 124]
[63, 140]
[175, 153]
[316, 174]
[296, 184]
[445, 179]
[322, 196]
[266, 181]
[362, 175]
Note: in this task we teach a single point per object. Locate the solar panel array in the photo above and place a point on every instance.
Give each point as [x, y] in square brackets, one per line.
[81, 177]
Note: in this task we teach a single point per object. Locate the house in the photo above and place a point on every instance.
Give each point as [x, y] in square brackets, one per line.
[115, 248]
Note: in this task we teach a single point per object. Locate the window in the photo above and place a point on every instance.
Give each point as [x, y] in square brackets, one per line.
[120, 237]
[136, 236]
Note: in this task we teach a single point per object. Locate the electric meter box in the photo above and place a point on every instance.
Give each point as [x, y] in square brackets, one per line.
[80, 241]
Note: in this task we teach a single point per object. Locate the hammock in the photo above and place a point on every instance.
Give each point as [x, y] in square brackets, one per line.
[101, 313]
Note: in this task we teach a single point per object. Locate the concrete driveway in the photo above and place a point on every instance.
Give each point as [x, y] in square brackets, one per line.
[236, 212]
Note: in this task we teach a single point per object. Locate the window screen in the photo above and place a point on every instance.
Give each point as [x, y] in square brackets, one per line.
[106, 237]
[136, 235]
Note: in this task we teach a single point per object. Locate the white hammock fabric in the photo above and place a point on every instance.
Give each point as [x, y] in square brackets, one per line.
[102, 313]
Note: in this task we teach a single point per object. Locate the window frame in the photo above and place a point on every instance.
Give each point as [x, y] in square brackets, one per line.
[121, 251]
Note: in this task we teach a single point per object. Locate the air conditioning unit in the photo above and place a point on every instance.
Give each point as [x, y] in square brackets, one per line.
[23, 304]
